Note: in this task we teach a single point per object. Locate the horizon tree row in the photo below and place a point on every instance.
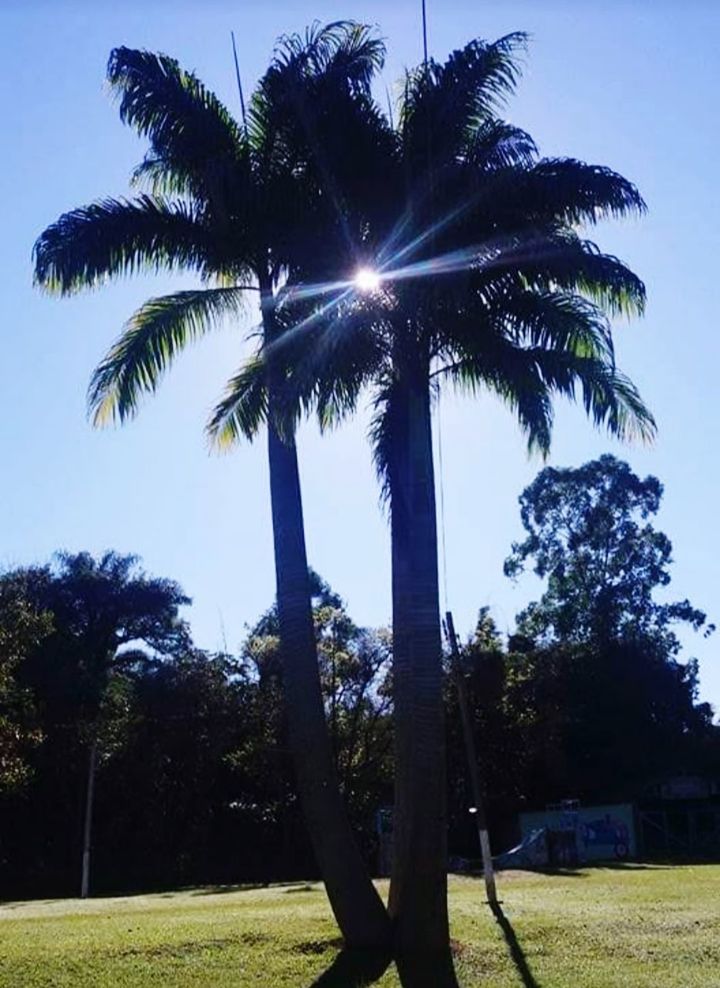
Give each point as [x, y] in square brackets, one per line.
[193, 778]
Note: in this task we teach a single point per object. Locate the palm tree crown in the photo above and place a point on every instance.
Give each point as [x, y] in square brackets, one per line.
[486, 278]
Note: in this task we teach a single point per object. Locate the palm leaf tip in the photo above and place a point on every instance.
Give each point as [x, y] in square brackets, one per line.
[242, 409]
[153, 337]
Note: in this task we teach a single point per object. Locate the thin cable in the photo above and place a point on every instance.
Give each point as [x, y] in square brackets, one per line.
[441, 487]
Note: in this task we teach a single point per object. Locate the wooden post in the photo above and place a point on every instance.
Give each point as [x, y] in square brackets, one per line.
[473, 769]
[87, 829]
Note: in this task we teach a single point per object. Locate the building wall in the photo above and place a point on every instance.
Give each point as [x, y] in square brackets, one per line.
[602, 833]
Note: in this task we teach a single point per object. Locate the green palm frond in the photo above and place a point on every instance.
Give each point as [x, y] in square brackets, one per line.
[336, 366]
[555, 320]
[495, 145]
[609, 398]
[561, 261]
[346, 51]
[171, 106]
[527, 379]
[243, 408]
[153, 337]
[313, 101]
[444, 104]
[115, 237]
[568, 191]
[381, 433]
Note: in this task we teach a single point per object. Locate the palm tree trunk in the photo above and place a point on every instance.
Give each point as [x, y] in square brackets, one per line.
[418, 890]
[358, 909]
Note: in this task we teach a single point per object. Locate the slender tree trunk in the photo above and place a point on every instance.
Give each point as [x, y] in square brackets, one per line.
[418, 890]
[87, 827]
[358, 909]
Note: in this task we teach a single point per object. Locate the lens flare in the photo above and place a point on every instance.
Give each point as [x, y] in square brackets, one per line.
[366, 280]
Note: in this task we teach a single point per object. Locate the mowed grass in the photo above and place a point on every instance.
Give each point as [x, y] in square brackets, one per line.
[637, 926]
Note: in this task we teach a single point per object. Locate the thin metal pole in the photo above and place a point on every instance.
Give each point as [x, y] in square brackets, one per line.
[87, 829]
[424, 28]
[239, 82]
[480, 817]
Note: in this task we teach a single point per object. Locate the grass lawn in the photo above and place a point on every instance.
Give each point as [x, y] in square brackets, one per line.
[641, 927]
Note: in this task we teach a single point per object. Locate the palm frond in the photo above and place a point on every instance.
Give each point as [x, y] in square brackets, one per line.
[563, 190]
[555, 320]
[345, 50]
[323, 358]
[496, 145]
[444, 104]
[527, 379]
[243, 408]
[346, 354]
[381, 434]
[171, 106]
[314, 105]
[560, 261]
[115, 237]
[153, 337]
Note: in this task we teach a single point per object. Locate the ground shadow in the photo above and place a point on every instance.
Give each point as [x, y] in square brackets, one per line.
[252, 886]
[427, 970]
[630, 865]
[354, 969]
[516, 952]
[357, 968]
[557, 871]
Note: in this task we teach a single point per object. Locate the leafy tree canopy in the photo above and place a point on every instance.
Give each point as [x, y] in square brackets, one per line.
[22, 628]
[99, 607]
[589, 534]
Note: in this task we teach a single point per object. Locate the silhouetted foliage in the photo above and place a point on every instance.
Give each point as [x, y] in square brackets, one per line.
[22, 628]
[590, 699]
[590, 536]
[195, 781]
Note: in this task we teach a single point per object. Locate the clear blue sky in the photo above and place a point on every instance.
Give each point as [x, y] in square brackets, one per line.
[629, 84]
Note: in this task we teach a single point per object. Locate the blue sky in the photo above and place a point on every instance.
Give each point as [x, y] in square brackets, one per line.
[628, 84]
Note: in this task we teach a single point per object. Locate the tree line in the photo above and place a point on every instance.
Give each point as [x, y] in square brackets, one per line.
[194, 782]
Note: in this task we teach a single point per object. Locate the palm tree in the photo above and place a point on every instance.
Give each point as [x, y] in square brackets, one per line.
[518, 304]
[238, 205]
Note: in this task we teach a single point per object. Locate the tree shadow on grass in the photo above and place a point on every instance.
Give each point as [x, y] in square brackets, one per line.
[354, 969]
[516, 952]
[427, 970]
[358, 968]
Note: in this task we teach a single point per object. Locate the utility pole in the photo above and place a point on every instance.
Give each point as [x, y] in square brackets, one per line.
[478, 810]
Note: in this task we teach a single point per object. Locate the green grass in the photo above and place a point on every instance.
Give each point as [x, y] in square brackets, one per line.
[641, 927]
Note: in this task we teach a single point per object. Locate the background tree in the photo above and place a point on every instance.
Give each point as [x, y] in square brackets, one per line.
[234, 204]
[22, 628]
[589, 535]
[591, 699]
[194, 780]
[98, 606]
[166, 813]
[355, 674]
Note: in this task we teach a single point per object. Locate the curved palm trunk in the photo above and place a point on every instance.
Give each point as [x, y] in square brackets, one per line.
[358, 909]
[418, 890]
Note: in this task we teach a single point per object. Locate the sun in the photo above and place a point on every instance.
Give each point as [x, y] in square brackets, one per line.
[366, 280]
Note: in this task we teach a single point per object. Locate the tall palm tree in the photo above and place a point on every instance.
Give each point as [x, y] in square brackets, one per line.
[481, 279]
[240, 206]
